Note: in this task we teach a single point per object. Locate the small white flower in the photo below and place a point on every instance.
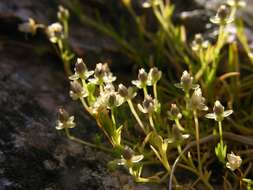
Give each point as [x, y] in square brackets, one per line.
[29, 27]
[128, 157]
[234, 162]
[55, 32]
[218, 112]
[149, 105]
[142, 79]
[81, 71]
[223, 16]
[64, 120]
[197, 101]
[77, 91]
[186, 82]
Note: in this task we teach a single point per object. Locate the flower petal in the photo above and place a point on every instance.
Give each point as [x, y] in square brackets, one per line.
[137, 158]
[121, 162]
[227, 113]
[210, 116]
[178, 85]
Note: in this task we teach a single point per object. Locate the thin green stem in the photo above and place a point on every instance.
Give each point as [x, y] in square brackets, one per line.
[113, 117]
[85, 105]
[220, 132]
[101, 88]
[233, 12]
[131, 106]
[66, 28]
[186, 98]
[220, 40]
[155, 90]
[65, 61]
[145, 91]
[179, 126]
[151, 121]
[84, 84]
[71, 137]
[196, 121]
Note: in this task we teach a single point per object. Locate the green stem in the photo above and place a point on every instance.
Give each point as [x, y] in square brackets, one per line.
[84, 84]
[155, 90]
[85, 105]
[186, 98]
[131, 106]
[66, 29]
[233, 11]
[145, 91]
[113, 117]
[64, 60]
[179, 126]
[101, 88]
[220, 132]
[85, 143]
[196, 121]
[219, 45]
[150, 118]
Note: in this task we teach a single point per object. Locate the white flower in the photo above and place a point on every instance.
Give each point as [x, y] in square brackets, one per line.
[218, 112]
[81, 71]
[28, 27]
[223, 16]
[64, 120]
[55, 32]
[186, 82]
[142, 79]
[234, 162]
[128, 157]
[197, 101]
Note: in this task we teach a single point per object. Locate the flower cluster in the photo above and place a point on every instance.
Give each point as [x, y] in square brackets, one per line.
[147, 79]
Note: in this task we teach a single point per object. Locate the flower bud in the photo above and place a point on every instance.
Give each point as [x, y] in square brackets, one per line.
[174, 110]
[186, 80]
[55, 32]
[63, 13]
[28, 27]
[127, 153]
[148, 103]
[99, 71]
[122, 90]
[197, 101]
[234, 162]
[143, 76]
[154, 75]
[76, 87]
[218, 109]
[63, 115]
[198, 39]
[80, 66]
[223, 12]
[112, 100]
